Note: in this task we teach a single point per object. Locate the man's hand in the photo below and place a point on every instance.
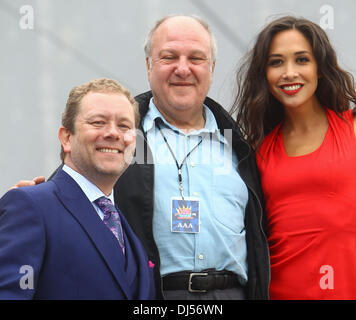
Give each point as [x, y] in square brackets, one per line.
[32, 182]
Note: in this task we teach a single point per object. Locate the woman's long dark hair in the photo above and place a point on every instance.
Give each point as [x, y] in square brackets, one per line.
[258, 112]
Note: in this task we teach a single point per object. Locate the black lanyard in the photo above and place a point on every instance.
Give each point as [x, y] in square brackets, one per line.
[179, 167]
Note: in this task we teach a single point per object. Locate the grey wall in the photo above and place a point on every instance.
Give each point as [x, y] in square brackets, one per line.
[75, 41]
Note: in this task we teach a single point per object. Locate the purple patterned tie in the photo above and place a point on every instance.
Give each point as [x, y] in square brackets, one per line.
[112, 219]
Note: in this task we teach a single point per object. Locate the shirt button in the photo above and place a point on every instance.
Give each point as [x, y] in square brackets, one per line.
[195, 194]
[192, 164]
[201, 257]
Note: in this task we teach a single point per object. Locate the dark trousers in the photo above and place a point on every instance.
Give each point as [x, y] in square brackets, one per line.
[226, 294]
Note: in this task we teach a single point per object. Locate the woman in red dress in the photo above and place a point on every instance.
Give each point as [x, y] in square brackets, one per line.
[294, 107]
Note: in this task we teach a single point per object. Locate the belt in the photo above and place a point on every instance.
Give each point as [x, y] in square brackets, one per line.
[200, 281]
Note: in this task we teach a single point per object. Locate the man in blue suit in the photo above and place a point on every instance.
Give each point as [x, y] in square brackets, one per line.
[70, 240]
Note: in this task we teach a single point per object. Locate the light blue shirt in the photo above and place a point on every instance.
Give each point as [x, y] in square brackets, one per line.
[90, 190]
[209, 174]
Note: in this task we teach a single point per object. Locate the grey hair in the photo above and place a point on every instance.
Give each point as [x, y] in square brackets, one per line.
[148, 40]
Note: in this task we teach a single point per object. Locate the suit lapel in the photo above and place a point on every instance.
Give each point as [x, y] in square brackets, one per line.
[79, 206]
[138, 252]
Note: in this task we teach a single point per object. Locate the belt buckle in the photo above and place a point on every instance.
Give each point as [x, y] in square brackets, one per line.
[190, 281]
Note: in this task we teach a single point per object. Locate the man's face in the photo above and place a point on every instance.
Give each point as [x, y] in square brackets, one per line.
[180, 70]
[104, 131]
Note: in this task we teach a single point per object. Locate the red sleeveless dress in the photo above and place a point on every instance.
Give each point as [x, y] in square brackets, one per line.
[311, 214]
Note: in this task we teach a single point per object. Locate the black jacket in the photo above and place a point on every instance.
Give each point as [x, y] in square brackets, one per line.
[134, 194]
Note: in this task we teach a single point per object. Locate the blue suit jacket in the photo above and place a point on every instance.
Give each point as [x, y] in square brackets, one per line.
[54, 229]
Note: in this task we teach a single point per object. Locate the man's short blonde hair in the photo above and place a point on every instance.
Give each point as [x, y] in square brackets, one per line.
[76, 95]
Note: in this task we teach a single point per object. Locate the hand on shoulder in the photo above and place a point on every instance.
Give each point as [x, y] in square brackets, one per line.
[24, 183]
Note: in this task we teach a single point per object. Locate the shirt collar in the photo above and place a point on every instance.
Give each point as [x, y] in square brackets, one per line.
[90, 190]
[153, 113]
